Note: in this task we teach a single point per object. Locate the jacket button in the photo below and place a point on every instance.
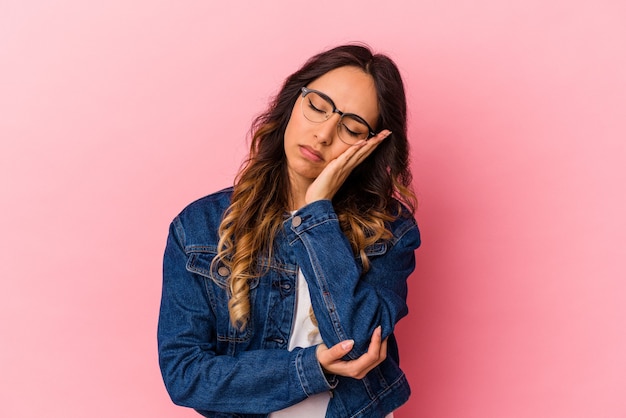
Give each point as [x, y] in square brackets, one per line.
[296, 221]
[223, 271]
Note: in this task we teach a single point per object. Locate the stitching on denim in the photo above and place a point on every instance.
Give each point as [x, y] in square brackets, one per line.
[368, 389]
[401, 230]
[211, 296]
[212, 249]
[232, 339]
[300, 370]
[381, 377]
[326, 296]
[278, 265]
[180, 231]
[363, 410]
[313, 225]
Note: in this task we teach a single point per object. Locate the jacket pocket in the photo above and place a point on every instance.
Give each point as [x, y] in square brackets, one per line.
[216, 276]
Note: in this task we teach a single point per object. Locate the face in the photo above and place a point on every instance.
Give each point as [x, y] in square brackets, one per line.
[310, 146]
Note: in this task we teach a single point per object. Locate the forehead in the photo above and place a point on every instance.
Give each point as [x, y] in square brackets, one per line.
[352, 90]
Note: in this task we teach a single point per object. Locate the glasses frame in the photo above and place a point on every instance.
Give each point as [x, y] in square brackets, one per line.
[306, 91]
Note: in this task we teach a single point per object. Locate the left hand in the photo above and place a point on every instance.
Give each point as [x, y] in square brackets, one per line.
[337, 171]
[331, 358]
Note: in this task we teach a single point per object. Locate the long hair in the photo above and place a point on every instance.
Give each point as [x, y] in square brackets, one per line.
[371, 196]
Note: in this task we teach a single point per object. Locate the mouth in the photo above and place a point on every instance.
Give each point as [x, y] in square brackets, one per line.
[310, 154]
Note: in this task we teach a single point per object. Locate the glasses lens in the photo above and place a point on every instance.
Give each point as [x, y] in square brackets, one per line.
[352, 130]
[316, 108]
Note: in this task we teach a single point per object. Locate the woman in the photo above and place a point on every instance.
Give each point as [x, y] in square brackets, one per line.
[281, 294]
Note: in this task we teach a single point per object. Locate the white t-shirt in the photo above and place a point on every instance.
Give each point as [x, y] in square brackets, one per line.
[304, 334]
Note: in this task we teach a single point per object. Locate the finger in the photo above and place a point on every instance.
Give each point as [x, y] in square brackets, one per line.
[364, 148]
[352, 157]
[376, 353]
[339, 350]
[366, 143]
[357, 152]
[379, 137]
[375, 343]
[331, 359]
[383, 350]
[382, 355]
[327, 356]
[382, 134]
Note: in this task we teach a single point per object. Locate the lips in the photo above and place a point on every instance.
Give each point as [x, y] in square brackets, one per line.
[310, 154]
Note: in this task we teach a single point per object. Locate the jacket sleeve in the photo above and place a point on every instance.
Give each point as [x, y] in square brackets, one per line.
[347, 303]
[256, 381]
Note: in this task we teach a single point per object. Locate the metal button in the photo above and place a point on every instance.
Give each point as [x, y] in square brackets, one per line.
[223, 271]
[296, 221]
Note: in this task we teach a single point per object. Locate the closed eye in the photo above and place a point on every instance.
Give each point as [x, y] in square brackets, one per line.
[351, 132]
[315, 109]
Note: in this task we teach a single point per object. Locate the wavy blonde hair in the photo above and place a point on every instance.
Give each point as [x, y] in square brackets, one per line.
[370, 197]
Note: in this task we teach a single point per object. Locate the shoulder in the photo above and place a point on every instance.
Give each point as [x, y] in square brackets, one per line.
[199, 221]
[404, 226]
[208, 205]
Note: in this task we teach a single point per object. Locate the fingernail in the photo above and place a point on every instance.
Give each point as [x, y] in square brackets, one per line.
[379, 330]
[347, 344]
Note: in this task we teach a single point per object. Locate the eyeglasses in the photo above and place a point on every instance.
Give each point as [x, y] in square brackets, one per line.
[318, 107]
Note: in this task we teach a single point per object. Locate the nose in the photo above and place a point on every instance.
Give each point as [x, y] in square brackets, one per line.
[327, 130]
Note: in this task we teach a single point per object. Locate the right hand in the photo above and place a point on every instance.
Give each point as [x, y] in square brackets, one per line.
[332, 363]
[332, 177]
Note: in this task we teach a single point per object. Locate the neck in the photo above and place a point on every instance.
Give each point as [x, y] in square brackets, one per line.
[297, 192]
[296, 200]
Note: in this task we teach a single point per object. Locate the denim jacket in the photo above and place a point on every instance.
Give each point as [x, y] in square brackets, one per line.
[209, 365]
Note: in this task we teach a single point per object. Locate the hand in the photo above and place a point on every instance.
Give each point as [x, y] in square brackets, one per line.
[337, 171]
[331, 358]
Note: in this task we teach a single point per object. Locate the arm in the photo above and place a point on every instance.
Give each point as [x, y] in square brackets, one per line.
[257, 381]
[347, 304]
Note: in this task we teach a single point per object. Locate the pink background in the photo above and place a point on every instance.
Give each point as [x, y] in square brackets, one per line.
[116, 114]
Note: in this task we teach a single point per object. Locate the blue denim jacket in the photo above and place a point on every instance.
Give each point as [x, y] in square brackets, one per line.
[209, 365]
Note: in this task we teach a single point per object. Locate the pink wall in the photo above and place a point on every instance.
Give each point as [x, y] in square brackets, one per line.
[114, 115]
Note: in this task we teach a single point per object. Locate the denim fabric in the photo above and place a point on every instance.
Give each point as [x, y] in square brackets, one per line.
[208, 365]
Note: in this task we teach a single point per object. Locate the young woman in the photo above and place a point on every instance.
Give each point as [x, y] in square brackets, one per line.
[281, 294]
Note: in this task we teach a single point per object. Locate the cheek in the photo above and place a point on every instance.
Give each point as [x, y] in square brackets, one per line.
[338, 148]
[294, 126]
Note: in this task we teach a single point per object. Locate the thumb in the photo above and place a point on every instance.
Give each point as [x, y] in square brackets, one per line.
[327, 356]
[346, 345]
[339, 350]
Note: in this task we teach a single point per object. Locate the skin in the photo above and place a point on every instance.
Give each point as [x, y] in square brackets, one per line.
[318, 163]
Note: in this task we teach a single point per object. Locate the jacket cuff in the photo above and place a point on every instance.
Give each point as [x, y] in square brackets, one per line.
[309, 216]
[310, 373]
